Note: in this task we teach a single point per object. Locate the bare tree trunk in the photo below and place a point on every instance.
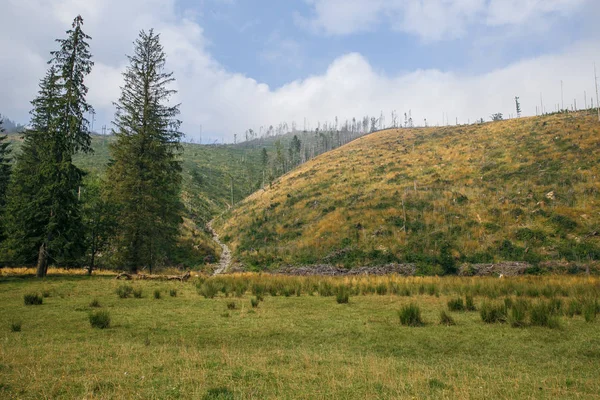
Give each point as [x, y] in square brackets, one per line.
[42, 264]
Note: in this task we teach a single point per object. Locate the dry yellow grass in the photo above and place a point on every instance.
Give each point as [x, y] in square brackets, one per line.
[530, 181]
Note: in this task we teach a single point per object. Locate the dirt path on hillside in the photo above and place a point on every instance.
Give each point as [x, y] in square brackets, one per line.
[225, 255]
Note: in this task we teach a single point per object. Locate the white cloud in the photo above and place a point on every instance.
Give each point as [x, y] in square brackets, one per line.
[225, 102]
[430, 20]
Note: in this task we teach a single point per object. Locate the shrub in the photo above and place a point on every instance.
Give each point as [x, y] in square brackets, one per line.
[231, 305]
[124, 291]
[410, 315]
[15, 326]
[137, 293]
[492, 313]
[541, 314]
[446, 319]
[342, 295]
[95, 303]
[173, 292]
[254, 302]
[469, 303]
[33, 299]
[456, 304]
[100, 319]
[157, 294]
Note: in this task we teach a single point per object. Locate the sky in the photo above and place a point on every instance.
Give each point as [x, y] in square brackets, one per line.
[249, 64]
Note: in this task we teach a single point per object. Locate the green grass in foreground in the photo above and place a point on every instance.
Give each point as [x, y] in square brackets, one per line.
[306, 346]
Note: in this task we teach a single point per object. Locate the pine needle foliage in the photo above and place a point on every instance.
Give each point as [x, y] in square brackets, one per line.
[145, 176]
[43, 211]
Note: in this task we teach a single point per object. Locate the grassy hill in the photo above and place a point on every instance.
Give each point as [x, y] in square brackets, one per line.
[524, 189]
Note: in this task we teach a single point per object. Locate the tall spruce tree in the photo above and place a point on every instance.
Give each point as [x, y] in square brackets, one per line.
[4, 175]
[43, 211]
[145, 175]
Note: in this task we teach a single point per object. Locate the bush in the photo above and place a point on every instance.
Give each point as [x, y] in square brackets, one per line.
[231, 305]
[342, 295]
[100, 319]
[95, 303]
[15, 326]
[254, 302]
[410, 315]
[33, 299]
[492, 313]
[173, 292]
[124, 291]
[541, 314]
[157, 294]
[456, 304]
[469, 303]
[137, 293]
[446, 319]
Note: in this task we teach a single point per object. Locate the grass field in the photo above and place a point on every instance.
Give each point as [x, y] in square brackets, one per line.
[298, 342]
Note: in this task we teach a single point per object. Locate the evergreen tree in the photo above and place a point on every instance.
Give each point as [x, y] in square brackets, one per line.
[145, 177]
[43, 207]
[4, 174]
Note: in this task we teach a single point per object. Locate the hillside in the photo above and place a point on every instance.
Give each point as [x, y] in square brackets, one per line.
[524, 189]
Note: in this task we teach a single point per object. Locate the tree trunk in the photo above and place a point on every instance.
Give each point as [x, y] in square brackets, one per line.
[42, 264]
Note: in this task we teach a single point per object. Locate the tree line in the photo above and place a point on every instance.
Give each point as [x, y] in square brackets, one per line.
[52, 212]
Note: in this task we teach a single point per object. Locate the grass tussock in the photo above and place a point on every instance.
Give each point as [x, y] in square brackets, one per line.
[100, 319]
[33, 299]
[446, 319]
[410, 315]
[124, 290]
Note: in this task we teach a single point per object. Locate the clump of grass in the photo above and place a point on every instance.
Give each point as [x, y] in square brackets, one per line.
[590, 310]
[15, 326]
[33, 299]
[95, 303]
[157, 294]
[208, 289]
[456, 304]
[254, 302]
[575, 307]
[541, 314]
[232, 305]
[410, 315]
[100, 319]
[492, 313]
[124, 291]
[470, 303]
[342, 295]
[518, 313]
[173, 292]
[46, 293]
[446, 319]
[137, 293]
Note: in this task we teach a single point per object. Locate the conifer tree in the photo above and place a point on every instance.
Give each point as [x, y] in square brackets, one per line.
[4, 175]
[145, 176]
[43, 215]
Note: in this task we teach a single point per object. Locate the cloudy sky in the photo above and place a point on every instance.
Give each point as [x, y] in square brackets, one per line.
[243, 64]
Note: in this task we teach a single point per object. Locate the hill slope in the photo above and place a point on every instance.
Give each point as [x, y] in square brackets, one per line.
[524, 189]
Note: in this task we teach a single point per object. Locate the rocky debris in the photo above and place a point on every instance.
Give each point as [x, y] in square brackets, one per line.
[506, 268]
[225, 255]
[330, 270]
